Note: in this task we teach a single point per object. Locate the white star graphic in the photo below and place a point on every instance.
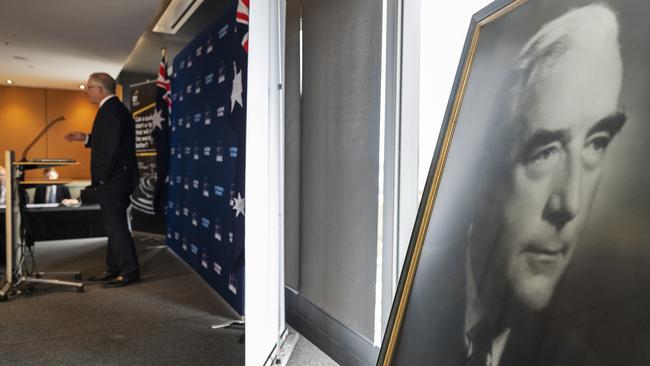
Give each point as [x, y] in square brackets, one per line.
[157, 119]
[239, 205]
[237, 89]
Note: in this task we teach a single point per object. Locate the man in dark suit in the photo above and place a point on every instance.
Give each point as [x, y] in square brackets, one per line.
[488, 300]
[54, 193]
[114, 172]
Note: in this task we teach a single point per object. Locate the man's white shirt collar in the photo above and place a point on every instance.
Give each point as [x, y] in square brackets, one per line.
[105, 99]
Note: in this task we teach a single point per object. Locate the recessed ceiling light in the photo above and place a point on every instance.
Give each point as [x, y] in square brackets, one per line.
[82, 87]
[9, 81]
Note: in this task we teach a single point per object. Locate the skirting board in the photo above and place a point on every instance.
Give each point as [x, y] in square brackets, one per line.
[335, 339]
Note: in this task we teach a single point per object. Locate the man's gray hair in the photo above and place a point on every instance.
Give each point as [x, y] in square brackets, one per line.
[105, 80]
[589, 32]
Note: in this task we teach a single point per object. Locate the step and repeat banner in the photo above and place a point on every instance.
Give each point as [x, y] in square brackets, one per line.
[143, 107]
[205, 188]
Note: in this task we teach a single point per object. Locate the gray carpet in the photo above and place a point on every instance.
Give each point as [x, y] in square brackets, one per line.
[164, 320]
[306, 353]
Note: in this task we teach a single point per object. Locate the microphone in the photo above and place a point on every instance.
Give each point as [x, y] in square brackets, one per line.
[49, 125]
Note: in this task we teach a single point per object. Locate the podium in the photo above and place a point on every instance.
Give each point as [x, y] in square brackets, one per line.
[17, 240]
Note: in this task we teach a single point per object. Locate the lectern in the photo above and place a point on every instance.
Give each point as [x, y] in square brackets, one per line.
[18, 243]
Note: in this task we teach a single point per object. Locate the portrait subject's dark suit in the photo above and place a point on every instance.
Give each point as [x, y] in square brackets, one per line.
[113, 169]
[40, 195]
[434, 334]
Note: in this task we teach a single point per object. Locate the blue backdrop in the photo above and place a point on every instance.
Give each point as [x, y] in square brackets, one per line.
[205, 201]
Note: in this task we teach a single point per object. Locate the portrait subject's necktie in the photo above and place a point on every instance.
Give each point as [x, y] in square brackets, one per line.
[480, 345]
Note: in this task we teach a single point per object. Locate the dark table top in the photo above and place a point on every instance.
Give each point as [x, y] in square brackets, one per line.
[33, 208]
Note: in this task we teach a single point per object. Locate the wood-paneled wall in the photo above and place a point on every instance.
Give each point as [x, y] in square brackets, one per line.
[24, 112]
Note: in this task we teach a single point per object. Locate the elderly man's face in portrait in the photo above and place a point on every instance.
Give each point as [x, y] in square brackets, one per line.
[568, 116]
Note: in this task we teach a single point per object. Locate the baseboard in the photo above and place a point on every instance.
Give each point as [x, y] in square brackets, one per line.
[339, 342]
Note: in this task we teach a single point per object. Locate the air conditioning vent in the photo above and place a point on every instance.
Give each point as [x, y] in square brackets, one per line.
[176, 14]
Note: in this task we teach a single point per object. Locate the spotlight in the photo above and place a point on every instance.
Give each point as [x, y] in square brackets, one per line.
[8, 81]
[82, 87]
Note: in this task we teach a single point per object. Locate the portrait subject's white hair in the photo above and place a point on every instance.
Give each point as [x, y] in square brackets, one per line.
[589, 33]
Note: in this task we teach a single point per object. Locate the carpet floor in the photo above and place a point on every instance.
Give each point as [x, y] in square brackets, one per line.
[163, 320]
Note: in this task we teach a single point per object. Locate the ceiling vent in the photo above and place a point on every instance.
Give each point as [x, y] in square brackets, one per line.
[176, 14]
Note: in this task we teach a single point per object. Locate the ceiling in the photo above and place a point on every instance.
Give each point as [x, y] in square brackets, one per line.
[57, 44]
[146, 53]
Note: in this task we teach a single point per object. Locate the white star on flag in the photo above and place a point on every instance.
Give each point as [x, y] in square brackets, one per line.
[237, 89]
[157, 119]
[239, 205]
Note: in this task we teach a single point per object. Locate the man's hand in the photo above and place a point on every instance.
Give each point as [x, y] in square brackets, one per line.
[75, 136]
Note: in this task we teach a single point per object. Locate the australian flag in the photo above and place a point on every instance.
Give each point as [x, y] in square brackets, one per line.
[238, 124]
[160, 133]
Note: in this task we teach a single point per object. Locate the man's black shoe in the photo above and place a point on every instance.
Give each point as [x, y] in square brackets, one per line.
[105, 276]
[121, 281]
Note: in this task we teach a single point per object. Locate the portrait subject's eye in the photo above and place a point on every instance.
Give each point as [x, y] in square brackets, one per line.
[595, 147]
[540, 160]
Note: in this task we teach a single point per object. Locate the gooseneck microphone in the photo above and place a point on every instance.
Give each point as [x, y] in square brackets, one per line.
[38, 137]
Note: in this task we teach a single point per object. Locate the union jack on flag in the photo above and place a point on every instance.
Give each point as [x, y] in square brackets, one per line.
[242, 18]
[163, 82]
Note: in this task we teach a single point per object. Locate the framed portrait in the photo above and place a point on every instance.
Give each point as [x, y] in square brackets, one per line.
[532, 240]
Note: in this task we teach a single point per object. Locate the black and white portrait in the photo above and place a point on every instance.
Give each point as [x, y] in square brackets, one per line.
[537, 247]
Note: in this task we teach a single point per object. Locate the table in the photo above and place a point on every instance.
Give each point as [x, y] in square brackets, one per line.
[57, 223]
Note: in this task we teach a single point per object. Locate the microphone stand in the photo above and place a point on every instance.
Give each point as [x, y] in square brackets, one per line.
[38, 137]
[24, 241]
[24, 226]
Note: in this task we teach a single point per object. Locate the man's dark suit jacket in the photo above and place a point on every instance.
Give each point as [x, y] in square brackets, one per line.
[432, 331]
[112, 142]
[62, 192]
